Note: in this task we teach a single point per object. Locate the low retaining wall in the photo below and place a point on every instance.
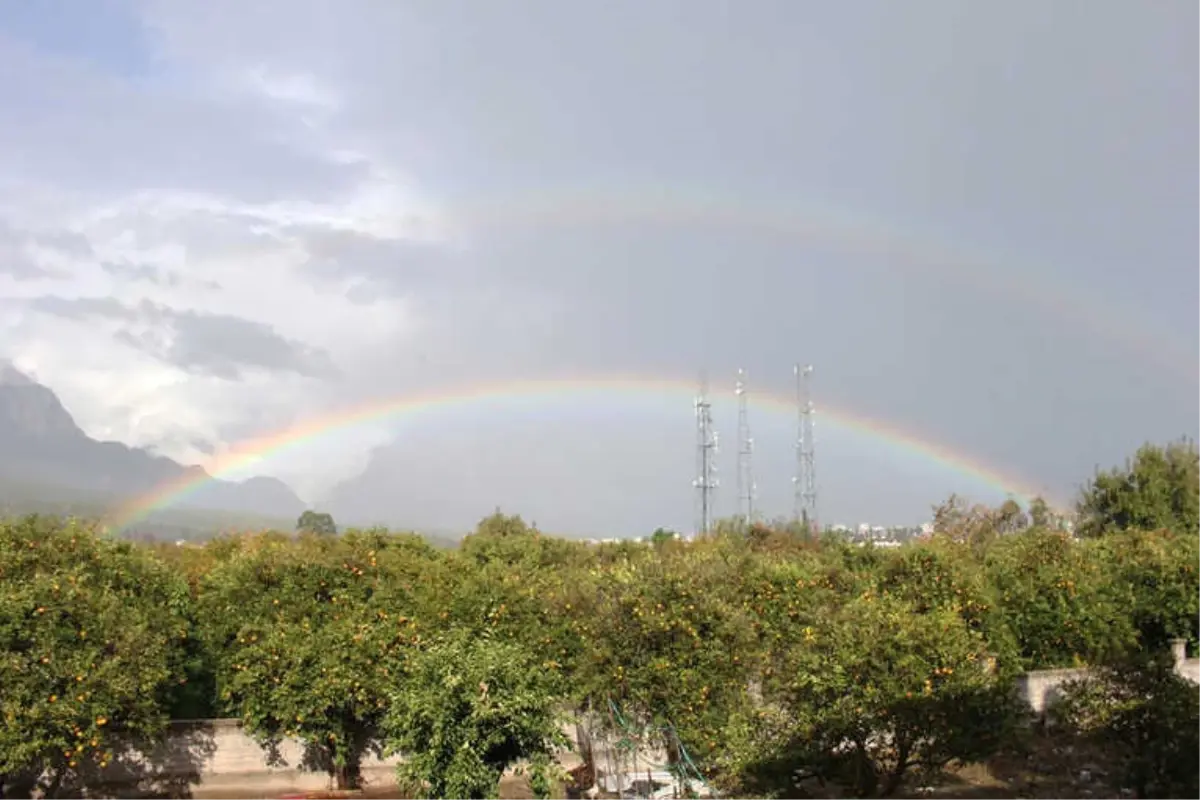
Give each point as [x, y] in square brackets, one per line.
[1042, 688]
[217, 757]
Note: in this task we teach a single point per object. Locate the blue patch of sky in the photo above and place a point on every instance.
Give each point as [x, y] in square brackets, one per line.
[106, 34]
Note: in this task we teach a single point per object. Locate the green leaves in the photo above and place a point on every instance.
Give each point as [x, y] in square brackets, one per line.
[878, 687]
[1145, 719]
[314, 522]
[91, 645]
[308, 641]
[468, 709]
[1159, 488]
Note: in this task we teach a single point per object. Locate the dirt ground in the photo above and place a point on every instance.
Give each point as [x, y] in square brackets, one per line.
[1050, 767]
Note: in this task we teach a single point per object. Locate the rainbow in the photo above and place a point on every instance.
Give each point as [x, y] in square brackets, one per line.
[855, 233]
[247, 453]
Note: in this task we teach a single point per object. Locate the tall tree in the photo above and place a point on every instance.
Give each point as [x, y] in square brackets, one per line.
[316, 522]
[1158, 488]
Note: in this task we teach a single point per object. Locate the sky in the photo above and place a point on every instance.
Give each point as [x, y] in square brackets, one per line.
[977, 221]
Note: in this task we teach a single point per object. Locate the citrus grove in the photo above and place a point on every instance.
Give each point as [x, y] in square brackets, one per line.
[757, 654]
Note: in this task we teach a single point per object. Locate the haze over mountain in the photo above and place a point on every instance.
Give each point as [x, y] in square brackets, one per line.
[40, 445]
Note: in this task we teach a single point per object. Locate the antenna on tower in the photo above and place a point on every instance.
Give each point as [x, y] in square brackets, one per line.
[805, 482]
[706, 462]
[745, 464]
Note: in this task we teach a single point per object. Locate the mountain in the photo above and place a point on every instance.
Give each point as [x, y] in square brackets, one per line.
[41, 446]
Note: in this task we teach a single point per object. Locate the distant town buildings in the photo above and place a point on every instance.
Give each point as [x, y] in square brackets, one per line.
[881, 535]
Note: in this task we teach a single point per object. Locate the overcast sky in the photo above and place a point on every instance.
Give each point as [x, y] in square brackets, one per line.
[978, 221]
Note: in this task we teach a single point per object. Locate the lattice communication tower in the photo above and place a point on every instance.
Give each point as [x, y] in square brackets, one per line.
[805, 480]
[707, 448]
[746, 488]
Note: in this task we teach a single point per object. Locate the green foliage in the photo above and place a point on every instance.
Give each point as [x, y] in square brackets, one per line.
[468, 708]
[1146, 718]
[763, 648]
[1159, 488]
[307, 642]
[1057, 600]
[1154, 580]
[318, 523]
[92, 636]
[663, 638]
[875, 688]
[941, 574]
[661, 536]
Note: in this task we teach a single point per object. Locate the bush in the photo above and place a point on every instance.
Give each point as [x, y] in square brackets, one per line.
[1146, 718]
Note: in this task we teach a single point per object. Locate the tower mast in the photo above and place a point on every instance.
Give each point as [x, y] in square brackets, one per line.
[745, 472]
[706, 467]
[806, 449]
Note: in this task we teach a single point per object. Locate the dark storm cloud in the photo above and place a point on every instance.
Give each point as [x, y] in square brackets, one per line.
[220, 345]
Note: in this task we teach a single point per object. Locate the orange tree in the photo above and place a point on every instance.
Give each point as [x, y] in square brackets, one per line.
[91, 635]
[664, 640]
[308, 639]
[781, 595]
[1144, 718]
[511, 580]
[471, 706]
[1154, 580]
[941, 574]
[874, 688]
[1057, 599]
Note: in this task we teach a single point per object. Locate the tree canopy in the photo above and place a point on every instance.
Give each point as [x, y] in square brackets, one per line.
[755, 655]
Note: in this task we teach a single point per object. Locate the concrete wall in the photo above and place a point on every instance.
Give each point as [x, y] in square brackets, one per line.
[1041, 688]
[217, 757]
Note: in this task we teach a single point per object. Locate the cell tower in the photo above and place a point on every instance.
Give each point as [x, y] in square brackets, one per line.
[745, 474]
[706, 482]
[805, 482]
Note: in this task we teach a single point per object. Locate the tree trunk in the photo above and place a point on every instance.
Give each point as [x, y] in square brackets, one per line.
[866, 777]
[896, 776]
[346, 776]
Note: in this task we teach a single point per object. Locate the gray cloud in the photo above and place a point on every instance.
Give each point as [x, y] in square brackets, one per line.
[223, 345]
[17, 262]
[244, 149]
[220, 345]
[142, 272]
[974, 219]
[370, 264]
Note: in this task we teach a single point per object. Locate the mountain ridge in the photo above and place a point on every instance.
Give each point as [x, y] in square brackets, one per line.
[40, 443]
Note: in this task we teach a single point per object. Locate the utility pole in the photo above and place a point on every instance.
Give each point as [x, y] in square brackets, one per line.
[805, 481]
[745, 468]
[706, 452]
